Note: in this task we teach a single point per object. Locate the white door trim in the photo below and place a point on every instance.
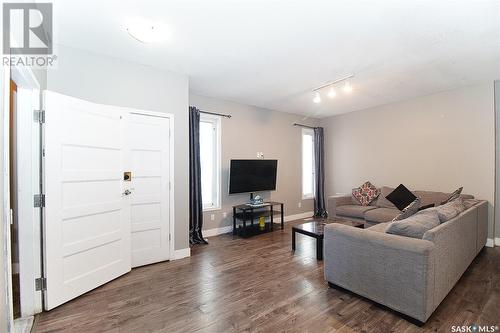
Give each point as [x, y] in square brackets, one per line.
[29, 217]
[29, 241]
[6, 292]
[171, 169]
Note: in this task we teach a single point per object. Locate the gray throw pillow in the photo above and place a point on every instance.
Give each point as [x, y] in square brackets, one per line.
[449, 210]
[415, 226]
[455, 195]
[408, 211]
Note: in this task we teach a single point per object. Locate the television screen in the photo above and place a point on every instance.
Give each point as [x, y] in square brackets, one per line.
[252, 175]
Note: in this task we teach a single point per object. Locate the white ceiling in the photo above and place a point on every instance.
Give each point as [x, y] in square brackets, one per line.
[272, 53]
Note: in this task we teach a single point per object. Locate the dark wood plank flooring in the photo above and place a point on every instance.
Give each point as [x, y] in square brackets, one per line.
[258, 284]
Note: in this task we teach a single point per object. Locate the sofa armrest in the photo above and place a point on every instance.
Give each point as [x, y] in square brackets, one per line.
[335, 201]
[457, 242]
[392, 270]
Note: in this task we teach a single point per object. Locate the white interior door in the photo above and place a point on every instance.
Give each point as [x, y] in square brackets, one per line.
[149, 162]
[87, 219]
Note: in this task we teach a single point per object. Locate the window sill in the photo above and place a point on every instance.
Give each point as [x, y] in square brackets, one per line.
[308, 197]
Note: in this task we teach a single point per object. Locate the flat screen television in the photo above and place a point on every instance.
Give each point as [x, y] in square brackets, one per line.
[252, 176]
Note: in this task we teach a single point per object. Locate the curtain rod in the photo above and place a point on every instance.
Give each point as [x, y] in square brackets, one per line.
[306, 126]
[217, 114]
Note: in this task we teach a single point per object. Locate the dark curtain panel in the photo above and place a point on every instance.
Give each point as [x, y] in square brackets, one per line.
[195, 202]
[319, 166]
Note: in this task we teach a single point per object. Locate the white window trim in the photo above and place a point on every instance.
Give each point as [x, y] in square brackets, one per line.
[307, 131]
[216, 122]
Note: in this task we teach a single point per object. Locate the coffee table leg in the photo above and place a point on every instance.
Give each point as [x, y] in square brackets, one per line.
[272, 218]
[234, 221]
[282, 217]
[293, 240]
[319, 248]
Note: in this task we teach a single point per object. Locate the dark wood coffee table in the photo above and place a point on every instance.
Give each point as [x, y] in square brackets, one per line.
[316, 229]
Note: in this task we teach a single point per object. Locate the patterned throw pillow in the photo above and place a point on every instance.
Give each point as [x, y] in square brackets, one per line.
[365, 194]
[408, 210]
[455, 195]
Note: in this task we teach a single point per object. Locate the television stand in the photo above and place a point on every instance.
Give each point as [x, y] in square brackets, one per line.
[249, 217]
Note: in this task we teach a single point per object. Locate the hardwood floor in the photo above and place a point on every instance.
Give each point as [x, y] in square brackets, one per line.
[258, 284]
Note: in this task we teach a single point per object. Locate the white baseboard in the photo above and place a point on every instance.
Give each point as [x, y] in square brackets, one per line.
[23, 325]
[296, 216]
[182, 253]
[490, 242]
[224, 230]
[217, 231]
[497, 241]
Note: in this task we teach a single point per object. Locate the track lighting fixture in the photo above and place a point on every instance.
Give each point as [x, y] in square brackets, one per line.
[332, 92]
[347, 87]
[317, 98]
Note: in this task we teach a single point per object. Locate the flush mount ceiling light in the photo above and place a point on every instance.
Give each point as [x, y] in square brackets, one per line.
[146, 31]
[332, 92]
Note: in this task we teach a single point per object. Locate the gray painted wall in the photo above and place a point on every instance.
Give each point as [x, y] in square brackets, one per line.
[251, 130]
[436, 142]
[112, 81]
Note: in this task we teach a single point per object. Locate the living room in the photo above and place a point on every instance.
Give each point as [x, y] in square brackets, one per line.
[260, 166]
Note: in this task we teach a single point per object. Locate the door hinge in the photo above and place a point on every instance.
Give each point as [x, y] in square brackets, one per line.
[169, 237]
[39, 116]
[40, 284]
[39, 200]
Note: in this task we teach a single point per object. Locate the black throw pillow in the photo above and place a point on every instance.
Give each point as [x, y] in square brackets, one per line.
[401, 197]
[426, 206]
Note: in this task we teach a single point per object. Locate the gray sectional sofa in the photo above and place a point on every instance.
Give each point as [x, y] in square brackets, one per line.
[380, 210]
[409, 275]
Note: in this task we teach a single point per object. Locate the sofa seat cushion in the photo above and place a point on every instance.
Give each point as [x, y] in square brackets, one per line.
[380, 215]
[380, 227]
[353, 210]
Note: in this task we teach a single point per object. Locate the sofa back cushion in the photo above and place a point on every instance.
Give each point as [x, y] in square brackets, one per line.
[416, 225]
[426, 197]
[382, 202]
[429, 197]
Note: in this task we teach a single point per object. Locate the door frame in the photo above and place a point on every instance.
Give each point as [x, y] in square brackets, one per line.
[29, 241]
[171, 177]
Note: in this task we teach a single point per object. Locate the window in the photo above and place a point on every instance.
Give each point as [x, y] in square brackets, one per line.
[210, 161]
[308, 182]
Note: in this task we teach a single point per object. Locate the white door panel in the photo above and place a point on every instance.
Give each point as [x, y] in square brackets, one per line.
[149, 162]
[87, 219]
